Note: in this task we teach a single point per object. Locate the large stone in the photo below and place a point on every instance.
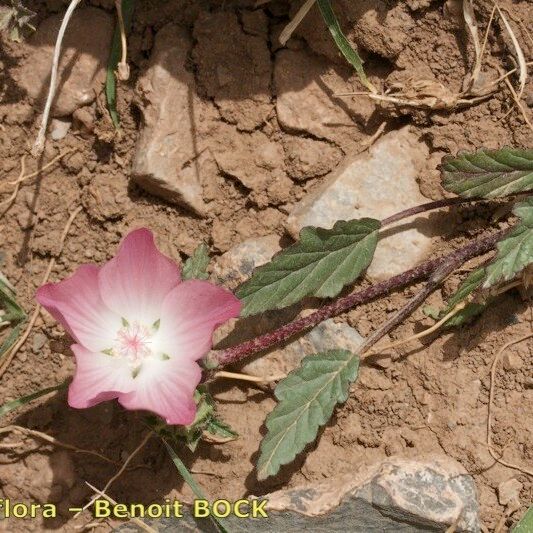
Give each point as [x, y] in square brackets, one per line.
[84, 56]
[167, 161]
[376, 184]
[393, 496]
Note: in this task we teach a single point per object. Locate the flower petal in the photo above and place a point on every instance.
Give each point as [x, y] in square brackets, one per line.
[76, 303]
[98, 378]
[165, 387]
[135, 282]
[191, 313]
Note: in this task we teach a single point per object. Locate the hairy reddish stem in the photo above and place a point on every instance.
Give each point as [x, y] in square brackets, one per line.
[341, 305]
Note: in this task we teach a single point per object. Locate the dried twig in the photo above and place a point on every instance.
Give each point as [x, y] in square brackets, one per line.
[425, 333]
[470, 20]
[123, 69]
[52, 440]
[285, 35]
[522, 68]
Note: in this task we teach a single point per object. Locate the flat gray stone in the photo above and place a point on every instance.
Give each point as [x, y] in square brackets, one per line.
[167, 162]
[377, 184]
[277, 363]
[84, 56]
[393, 496]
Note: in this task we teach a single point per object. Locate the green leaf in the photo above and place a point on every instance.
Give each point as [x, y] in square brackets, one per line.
[196, 266]
[320, 264]
[219, 428]
[515, 250]
[307, 397]
[15, 404]
[187, 477]
[10, 340]
[114, 57]
[470, 285]
[7, 298]
[526, 523]
[489, 173]
[342, 43]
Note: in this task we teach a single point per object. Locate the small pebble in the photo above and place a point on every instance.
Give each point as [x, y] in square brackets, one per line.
[59, 128]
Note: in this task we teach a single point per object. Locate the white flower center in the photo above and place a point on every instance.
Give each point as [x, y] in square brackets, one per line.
[135, 342]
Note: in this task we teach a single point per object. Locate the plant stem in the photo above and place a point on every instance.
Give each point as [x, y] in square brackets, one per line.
[446, 202]
[437, 269]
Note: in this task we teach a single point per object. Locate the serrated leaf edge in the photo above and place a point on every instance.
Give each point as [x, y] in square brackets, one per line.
[339, 400]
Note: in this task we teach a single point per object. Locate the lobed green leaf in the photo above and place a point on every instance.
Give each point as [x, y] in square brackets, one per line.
[525, 525]
[320, 264]
[515, 250]
[489, 173]
[307, 397]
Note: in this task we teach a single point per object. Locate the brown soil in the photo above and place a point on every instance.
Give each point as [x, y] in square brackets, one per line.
[433, 399]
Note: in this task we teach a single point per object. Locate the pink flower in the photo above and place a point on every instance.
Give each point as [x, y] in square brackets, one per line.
[139, 329]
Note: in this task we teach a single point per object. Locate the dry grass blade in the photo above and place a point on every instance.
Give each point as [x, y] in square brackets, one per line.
[285, 35]
[38, 147]
[522, 67]
[470, 20]
[52, 440]
[420, 335]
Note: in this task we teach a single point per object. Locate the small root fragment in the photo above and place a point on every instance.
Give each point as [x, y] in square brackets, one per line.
[420, 335]
[52, 440]
[13, 196]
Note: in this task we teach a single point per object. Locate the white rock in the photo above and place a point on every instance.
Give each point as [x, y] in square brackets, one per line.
[84, 55]
[376, 184]
[167, 162]
[59, 128]
[509, 491]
